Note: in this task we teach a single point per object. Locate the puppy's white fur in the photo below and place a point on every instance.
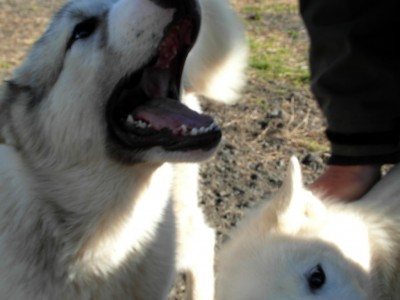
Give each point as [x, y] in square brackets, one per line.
[274, 254]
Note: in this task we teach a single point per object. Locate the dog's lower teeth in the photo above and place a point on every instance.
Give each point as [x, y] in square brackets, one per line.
[137, 123]
[184, 129]
[141, 124]
[196, 131]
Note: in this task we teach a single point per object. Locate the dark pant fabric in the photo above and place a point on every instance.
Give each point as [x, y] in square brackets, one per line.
[355, 76]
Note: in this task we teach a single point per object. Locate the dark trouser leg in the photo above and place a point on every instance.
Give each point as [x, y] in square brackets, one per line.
[355, 76]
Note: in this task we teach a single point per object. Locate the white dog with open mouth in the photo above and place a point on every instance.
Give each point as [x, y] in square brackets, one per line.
[296, 246]
[88, 127]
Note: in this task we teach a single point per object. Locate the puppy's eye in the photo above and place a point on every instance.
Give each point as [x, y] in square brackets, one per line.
[83, 30]
[316, 278]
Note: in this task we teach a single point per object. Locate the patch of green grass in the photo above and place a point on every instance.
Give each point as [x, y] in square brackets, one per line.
[260, 64]
[252, 9]
[262, 103]
[311, 145]
[270, 60]
[5, 65]
[277, 53]
[279, 8]
[254, 12]
[293, 34]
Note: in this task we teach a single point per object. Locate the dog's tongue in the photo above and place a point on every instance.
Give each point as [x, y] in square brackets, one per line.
[169, 113]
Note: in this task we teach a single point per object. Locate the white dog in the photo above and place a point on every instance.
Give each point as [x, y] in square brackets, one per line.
[297, 247]
[89, 125]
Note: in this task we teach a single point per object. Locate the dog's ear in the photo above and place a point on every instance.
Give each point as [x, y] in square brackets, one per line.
[293, 203]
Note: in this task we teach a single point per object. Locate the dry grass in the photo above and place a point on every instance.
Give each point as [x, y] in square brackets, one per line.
[21, 23]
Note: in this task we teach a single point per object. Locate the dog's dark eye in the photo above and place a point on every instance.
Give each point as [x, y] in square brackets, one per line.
[83, 30]
[316, 278]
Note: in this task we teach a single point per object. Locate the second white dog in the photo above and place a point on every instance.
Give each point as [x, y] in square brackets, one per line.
[297, 247]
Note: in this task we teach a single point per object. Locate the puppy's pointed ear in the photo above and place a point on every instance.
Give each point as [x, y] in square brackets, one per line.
[290, 203]
[292, 184]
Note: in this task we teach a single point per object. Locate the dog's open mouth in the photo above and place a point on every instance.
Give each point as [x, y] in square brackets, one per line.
[144, 110]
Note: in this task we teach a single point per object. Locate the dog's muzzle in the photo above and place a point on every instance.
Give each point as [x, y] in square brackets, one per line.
[145, 111]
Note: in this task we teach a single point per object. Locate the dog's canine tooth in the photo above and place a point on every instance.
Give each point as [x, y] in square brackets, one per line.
[130, 120]
[211, 127]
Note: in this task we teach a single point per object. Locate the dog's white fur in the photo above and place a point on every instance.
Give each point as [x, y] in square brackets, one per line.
[75, 224]
[273, 254]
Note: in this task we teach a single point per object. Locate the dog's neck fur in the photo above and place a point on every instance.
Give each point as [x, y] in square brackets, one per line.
[95, 231]
[385, 260]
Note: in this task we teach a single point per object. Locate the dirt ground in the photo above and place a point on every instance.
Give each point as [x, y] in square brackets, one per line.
[273, 120]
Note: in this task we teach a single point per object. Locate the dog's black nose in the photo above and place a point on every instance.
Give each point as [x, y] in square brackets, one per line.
[167, 3]
[180, 4]
[183, 8]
